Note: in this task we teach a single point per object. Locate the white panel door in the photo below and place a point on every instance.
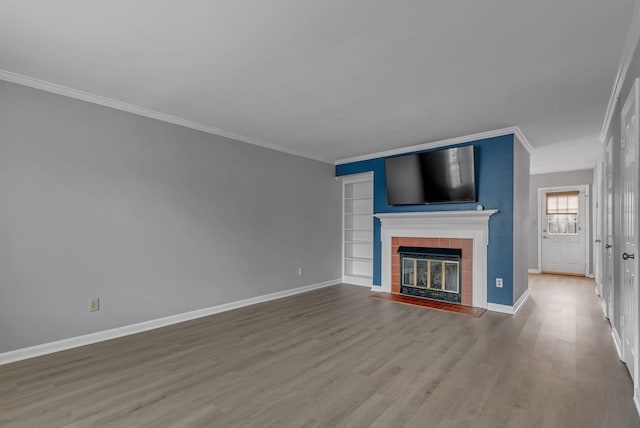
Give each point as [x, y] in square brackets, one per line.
[564, 253]
[608, 291]
[597, 225]
[629, 185]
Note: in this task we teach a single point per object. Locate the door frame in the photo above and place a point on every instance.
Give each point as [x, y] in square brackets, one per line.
[584, 189]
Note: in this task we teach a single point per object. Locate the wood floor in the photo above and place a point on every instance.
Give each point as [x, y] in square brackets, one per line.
[336, 358]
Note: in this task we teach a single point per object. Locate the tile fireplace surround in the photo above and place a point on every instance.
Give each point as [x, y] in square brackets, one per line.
[472, 225]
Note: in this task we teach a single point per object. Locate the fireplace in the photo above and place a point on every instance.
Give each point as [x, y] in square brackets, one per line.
[434, 273]
[465, 229]
[433, 268]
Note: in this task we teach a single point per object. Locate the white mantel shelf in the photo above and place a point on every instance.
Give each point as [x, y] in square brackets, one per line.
[437, 217]
[440, 224]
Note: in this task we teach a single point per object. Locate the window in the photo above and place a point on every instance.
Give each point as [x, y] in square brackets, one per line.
[562, 213]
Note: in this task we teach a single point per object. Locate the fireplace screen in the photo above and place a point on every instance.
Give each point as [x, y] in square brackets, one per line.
[428, 273]
[434, 273]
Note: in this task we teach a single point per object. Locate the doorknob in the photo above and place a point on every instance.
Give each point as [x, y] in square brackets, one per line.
[626, 256]
[608, 246]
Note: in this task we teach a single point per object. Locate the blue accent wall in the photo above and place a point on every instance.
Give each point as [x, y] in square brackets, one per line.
[494, 185]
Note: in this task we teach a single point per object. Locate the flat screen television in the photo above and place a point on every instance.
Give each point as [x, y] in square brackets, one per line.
[435, 177]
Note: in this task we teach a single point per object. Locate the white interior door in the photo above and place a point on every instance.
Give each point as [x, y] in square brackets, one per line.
[563, 240]
[629, 185]
[607, 266]
[597, 226]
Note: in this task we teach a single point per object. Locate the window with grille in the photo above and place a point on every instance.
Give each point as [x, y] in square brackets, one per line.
[562, 213]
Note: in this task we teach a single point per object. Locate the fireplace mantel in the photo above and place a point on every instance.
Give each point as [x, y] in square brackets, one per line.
[463, 218]
[440, 224]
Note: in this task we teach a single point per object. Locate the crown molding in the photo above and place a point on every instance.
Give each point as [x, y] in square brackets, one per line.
[522, 139]
[631, 42]
[515, 130]
[77, 94]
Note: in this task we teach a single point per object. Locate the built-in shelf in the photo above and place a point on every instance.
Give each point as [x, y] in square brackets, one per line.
[357, 234]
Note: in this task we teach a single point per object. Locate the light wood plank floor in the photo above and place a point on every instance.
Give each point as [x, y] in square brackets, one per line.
[336, 358]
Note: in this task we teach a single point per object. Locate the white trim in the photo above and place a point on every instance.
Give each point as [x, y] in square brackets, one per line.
[564, 169]
[521, 301]
[440, 224]
[511, 310]
[77, 94]
[617, 342]
[636, 401]
[522, 139]
[358, 177]
[496, 307]
[534, 270]
[604, 308]
[584, 190]
[450, 142]
[100, 336]
[631, 42]
[592, 276]
[141, 111]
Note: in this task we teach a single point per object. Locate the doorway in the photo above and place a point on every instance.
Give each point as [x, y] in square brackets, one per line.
[563, 230]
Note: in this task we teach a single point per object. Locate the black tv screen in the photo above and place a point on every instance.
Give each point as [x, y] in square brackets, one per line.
[439, 176]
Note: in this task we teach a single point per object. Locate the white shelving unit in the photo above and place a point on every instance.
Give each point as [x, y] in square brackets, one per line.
[357, 229]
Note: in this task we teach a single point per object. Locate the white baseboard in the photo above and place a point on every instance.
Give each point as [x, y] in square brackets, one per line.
[592, 276]
[496, 307]
[636, 401]
[521, 301]
[534, 270]
[100, 336]
[506, 309]
[617, 342]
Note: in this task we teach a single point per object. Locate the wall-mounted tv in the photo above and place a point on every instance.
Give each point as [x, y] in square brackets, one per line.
[439, 176]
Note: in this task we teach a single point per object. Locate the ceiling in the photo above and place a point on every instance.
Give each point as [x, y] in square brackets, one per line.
[332, 79]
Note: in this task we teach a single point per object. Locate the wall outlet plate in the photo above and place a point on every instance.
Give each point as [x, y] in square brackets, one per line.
[499, 282]
[299, 271]
[94, 305]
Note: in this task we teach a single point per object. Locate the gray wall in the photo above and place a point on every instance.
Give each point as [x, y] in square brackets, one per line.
[521, 162]
[569, 178]
[153, 218]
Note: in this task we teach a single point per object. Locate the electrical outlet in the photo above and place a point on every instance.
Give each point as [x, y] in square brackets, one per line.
[299, 271]
[94, 305]
[499, 282]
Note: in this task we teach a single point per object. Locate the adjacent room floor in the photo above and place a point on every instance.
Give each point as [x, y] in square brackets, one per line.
[335, 357]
